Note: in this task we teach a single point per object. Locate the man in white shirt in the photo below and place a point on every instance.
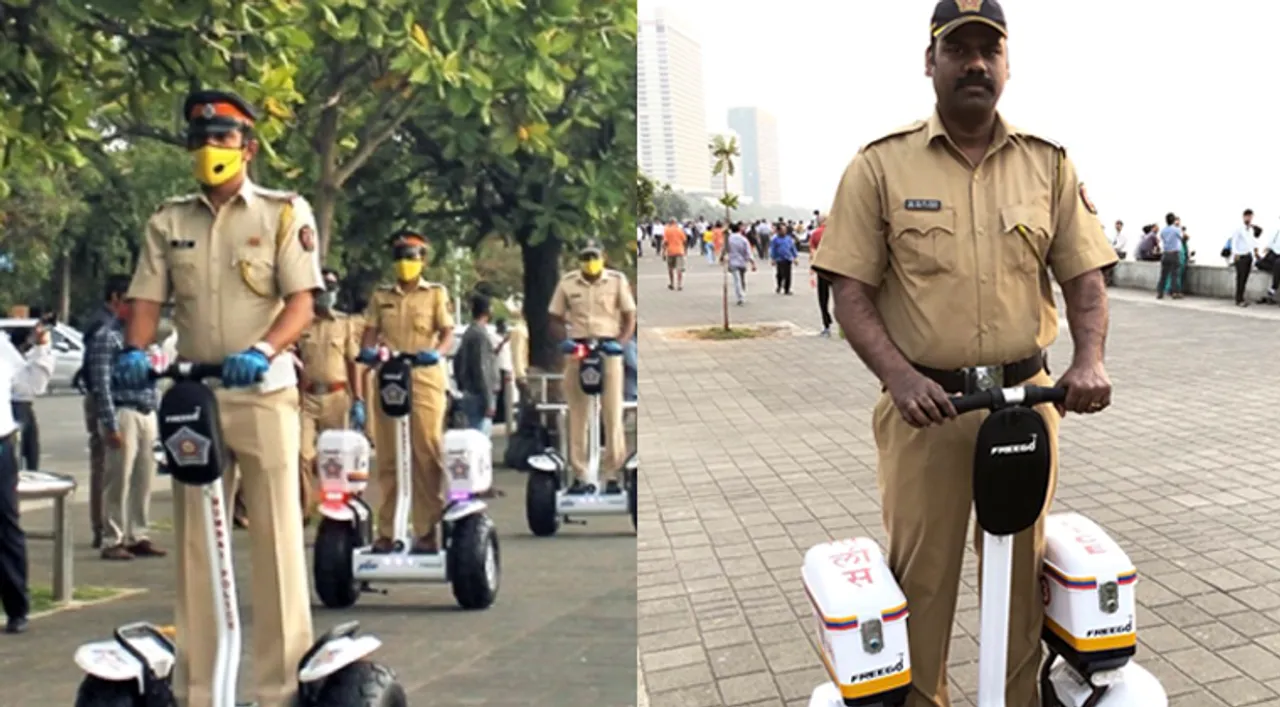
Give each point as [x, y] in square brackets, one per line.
[1273, 249]
[30, 382]
[13, 542]
[1243, 250]
[1120, 242]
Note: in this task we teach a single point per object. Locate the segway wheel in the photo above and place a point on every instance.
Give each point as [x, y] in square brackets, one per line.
[362, 684]
[540, 504]
[334, 579]
[474, 564]
[633, 494]
[96, 692]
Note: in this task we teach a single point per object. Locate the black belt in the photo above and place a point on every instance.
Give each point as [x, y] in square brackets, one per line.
[978, 378]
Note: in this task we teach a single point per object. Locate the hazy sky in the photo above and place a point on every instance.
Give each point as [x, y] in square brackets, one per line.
[1163, 105]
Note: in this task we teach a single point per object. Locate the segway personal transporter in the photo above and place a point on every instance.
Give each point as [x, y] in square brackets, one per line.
[1087, 586]
[345, 562]
[550, 497]
[134, 668]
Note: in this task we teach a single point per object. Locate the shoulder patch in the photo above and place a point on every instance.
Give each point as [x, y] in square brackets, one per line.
[897, 132]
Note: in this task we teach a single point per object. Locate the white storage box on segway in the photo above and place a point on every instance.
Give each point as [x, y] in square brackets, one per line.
[861, 620]
[1088, 588]
[468, 460]
[343, 452]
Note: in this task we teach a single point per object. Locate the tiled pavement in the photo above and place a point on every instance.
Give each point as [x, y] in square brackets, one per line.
[756, 450]
[562, 632]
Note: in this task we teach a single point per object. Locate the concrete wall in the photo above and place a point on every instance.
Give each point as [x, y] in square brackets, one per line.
[1202, 280]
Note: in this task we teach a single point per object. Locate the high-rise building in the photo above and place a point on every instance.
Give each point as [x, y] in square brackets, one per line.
[671, 115]
[758, 132]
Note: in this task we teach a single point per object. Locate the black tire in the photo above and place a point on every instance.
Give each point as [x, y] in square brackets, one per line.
[361, 684]
[540, 504]
[633, 496]
[473, 541]
[335, 582]
[96, 692]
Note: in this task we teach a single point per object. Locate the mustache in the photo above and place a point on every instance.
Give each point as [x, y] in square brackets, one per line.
[980, 80]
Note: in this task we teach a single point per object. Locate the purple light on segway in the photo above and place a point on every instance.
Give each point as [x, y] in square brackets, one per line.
[459, 495]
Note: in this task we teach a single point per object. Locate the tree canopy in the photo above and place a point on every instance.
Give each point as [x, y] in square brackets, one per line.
[470, 120]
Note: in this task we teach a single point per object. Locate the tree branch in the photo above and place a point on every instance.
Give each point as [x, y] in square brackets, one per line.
[367, 146]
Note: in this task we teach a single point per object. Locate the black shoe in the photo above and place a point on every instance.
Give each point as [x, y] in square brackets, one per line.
[580, 489]
[97, 540]
[612, 487]
[16, 624]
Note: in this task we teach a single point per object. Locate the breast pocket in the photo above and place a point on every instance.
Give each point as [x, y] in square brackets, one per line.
[924, 242]
[184, 275]
[1025, 237]
[257, 271]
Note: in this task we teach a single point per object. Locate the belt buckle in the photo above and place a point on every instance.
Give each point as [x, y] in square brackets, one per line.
[983, 378]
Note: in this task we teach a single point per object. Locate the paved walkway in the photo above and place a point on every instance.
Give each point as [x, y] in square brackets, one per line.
[562, 632]
[756, 450]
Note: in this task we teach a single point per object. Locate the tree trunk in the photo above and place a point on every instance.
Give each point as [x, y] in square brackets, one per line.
[64, 289]
[325, 205]
[541, 275]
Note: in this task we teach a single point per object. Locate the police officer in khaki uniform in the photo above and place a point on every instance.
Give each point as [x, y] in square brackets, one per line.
[940, 247]
[332, 392]
[594, 302]
[239, 262]
[412, 316]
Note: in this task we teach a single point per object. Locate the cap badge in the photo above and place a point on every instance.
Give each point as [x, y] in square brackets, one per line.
[969, 5]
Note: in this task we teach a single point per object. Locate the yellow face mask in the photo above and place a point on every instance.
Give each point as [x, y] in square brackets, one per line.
[214, 165]
[407, 270]
[592, 267]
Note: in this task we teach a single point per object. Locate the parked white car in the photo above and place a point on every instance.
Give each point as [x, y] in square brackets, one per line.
[68, 348]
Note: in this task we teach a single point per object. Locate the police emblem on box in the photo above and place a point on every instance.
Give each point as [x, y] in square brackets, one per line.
[332, 468]
[458, 467]
[188, 448]
[393, 394]
[590, 376]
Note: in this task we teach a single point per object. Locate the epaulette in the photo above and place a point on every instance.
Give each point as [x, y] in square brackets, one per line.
[1038, 138]
[904, 130]
[386, 287]
[174, 200]
[569, 274]
[275, 194]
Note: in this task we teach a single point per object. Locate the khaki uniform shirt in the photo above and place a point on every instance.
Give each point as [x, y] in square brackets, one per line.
[593, 309]
[230, 272]
[519, 345]
[962, 254]
[326, 347]
[413, 321]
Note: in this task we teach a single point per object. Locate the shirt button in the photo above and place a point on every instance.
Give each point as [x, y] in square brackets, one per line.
[983, 279]
[983, 329]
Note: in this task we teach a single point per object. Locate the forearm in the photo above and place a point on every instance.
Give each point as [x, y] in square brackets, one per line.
[299, 310]
[140, 328]
[856, 312]
[1087, 316]
[557, 327]
[104, 406]
[628, 328]
[354, 381]
[445, 341]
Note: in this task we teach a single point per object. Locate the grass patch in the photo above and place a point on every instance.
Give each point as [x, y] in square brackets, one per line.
[733, 333]
[42, 597]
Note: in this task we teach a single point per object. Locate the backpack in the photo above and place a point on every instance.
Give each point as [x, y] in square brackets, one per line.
[530, 437]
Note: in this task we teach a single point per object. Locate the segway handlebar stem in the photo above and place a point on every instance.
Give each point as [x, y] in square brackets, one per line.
[385, 354]
[995, 398]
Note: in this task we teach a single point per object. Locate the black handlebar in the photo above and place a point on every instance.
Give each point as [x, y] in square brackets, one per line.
[1027, 395]
[186, 370]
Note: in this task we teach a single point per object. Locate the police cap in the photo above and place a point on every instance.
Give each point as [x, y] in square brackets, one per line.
[949, 15]
[407, 234]
[214, 112]
[590, 249]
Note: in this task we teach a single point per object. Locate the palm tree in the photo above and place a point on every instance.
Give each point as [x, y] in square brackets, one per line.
[723, 152]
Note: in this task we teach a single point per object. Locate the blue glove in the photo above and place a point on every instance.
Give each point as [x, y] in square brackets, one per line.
[611, 347]
[132, 369]
[367, 356]
[243, 369]
[567, 346]
[358, 417]
[426, 358]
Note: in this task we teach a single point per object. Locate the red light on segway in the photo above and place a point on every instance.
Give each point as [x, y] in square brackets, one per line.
[335, 497]
[384, 354]
[580, 351]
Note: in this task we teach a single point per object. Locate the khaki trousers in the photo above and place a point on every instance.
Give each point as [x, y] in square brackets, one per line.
[327, 411]
[126, 488]
[615, 438]
[370, 378]
[426, 432]
[97, 463]
[261, 432]
[926, 486]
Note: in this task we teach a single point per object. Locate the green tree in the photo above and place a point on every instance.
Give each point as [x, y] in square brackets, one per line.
[723, 152]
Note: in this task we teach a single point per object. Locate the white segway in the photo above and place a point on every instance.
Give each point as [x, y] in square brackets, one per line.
[550, 497]
[134, 669]
[345, 561]
[1088, 586]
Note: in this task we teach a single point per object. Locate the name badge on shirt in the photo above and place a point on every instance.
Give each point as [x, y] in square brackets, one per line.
[923, 205]
[180, 245]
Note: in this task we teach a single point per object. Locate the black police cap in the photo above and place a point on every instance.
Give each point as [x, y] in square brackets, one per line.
[218, 108]
[590, 247]
[951, 14]
[403, 234]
